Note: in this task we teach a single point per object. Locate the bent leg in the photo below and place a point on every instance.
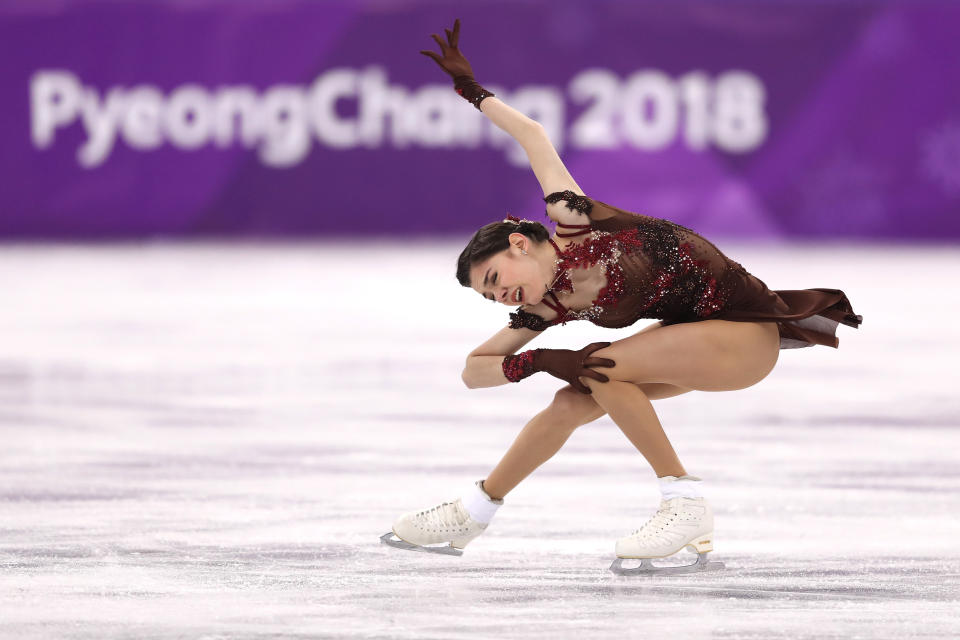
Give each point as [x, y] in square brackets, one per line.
[547, 432]
[630, 408]
[540, 439]
[712, 355]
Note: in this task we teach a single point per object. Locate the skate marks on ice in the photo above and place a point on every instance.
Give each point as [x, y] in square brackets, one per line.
[758, 596]
[198, 443]
[888, 580]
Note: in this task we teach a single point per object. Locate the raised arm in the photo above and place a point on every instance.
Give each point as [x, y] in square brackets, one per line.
[530, 134]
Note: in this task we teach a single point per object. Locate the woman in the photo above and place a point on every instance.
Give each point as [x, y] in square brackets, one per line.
[720, 329]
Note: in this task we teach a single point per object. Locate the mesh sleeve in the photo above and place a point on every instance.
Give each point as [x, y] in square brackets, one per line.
[575, 202]
[521, 319]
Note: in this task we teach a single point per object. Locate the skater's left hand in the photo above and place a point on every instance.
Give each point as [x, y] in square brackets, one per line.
[572, 365]
[452, 61]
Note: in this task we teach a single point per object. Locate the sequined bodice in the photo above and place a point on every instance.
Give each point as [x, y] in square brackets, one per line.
[654, 269]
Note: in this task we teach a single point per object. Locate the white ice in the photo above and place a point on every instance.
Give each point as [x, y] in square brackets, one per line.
[206, 441]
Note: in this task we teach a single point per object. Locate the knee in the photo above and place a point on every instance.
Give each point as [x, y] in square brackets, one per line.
[570, 407]
[595, 385]
[616, 372]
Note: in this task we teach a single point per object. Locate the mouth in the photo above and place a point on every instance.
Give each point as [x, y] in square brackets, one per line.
[517, 295]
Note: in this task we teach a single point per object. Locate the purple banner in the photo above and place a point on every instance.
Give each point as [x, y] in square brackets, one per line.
[304, 118]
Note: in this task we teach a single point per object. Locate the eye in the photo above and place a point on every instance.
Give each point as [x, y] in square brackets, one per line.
[493, 281]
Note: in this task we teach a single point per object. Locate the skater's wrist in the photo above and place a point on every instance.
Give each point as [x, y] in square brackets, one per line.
[470, 90]
[521, 365]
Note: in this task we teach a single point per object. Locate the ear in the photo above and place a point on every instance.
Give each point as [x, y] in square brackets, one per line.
[519, 241]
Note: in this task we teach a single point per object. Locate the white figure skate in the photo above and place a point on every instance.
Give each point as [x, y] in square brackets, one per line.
[679, 523]
[446, 528]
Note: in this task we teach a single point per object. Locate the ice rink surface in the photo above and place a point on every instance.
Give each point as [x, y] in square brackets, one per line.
[205, 441]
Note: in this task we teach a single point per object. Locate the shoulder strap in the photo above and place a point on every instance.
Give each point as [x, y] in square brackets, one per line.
[521, 319]
[557, 306]
[581, 230]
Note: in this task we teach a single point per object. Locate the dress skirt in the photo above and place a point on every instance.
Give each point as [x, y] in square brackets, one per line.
[804, 317]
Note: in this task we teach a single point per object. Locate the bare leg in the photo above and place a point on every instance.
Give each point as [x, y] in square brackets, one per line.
[713, 355]
[633, 412]
[547, 431]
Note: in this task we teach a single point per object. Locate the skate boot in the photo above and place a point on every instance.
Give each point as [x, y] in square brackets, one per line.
[680, 522]
[446, 528]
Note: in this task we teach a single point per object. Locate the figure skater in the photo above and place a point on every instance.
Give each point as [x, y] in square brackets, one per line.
[720, 329]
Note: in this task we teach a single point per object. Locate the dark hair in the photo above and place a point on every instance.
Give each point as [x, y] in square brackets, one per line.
[494, 238]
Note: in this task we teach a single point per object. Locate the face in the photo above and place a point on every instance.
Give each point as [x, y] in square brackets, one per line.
[509, 277]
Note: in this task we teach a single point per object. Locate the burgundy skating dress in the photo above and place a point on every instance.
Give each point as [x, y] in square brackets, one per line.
[659, 269]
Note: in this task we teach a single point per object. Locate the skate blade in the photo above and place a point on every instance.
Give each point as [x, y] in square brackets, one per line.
[391, 539]
[647, 568]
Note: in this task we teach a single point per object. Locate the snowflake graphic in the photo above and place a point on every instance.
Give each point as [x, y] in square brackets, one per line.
[844, 193]
[940, 156]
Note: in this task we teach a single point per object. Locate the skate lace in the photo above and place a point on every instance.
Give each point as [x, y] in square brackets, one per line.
[657, 522]
[442, 516]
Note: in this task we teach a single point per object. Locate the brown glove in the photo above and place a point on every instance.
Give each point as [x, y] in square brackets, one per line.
[457, 66]
[561, 363]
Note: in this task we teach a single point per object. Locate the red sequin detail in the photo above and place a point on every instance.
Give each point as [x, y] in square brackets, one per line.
[601, 247]
[614, 290]
[563, 283]
[663, 269]
[711, 300]
[519, 366]
[660, 287]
